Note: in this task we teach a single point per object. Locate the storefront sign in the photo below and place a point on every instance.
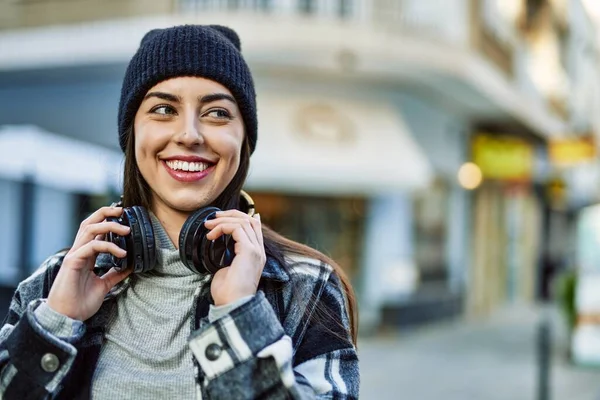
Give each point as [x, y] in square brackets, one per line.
[572, 151]
[503, 157]
[585, 340]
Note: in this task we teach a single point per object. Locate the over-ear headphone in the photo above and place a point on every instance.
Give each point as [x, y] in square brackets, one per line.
[197, 253]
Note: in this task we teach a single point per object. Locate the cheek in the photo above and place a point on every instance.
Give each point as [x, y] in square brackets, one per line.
[146, 147]
[148, 141]
[141, 150]
[234, 150]
[140, 139]
[228, 145]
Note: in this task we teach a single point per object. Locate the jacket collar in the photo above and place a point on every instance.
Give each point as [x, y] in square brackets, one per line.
[275, 271]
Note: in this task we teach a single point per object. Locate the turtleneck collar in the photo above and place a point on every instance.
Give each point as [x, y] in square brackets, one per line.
[168, 261]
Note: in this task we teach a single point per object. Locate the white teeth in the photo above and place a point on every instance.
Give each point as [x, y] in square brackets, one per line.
[187, 166]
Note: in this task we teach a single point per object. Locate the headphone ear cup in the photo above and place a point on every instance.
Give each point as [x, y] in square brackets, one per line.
[115, 262]
[139, 243]
[144, 239]
[218, 253]
[197, 252]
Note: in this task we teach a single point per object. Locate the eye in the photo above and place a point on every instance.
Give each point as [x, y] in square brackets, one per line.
[163, 110]
[218, 113]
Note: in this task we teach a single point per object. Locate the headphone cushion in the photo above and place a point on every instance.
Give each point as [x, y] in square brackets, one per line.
[146, 235]
[193, 233]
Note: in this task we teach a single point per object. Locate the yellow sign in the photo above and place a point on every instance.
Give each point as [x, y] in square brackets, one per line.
[572, 151]
[503, 157]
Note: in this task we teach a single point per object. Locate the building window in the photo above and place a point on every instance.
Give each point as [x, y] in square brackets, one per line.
[265, 5]
[307, 6]
[332, 225]
[345, 8]
[195, 6]
[533, 9]
[192, 6]
[233, 4]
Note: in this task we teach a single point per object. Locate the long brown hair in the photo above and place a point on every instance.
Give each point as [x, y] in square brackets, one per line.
[137, 192]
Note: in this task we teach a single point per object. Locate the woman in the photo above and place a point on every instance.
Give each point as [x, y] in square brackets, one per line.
[277, 323]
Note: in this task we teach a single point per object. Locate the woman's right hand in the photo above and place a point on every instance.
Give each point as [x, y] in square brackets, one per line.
[77, 291]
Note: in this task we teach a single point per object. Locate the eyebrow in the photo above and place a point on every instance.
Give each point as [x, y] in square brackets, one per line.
[164, 96]
[209, 98]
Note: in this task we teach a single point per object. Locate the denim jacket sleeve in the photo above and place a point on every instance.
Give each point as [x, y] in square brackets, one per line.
[33, 361]
[247, 353]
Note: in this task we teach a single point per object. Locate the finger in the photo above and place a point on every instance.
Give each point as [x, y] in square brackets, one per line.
[228, 228]
[227, 220]
[101, 214]
[91, 232]
[237, 214]
[258, 230]
[112, 277]
[232, 213]
[93, 248]
[237, 232]
[250, 224]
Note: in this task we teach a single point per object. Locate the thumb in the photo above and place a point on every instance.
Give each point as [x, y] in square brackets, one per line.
[112, 277]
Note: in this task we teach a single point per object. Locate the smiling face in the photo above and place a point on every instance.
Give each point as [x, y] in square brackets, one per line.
[188, 138]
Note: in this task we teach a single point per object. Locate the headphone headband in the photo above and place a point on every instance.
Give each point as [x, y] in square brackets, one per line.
[249, 203]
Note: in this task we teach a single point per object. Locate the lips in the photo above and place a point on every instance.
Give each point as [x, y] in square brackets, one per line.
[188, 168]
[189, 158]
[178, 165]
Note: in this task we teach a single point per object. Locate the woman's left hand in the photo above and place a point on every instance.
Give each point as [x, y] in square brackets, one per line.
[241, 278]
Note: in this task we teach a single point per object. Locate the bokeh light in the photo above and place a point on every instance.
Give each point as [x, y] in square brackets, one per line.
[470, 176]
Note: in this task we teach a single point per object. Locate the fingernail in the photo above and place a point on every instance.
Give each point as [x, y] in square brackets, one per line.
[257, 215]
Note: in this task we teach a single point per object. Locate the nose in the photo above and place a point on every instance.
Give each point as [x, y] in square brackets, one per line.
[190, 134]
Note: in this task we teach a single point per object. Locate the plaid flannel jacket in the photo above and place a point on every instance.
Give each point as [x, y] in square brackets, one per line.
[270, 347]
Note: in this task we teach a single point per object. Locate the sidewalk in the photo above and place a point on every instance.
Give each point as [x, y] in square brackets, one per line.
[492, 360]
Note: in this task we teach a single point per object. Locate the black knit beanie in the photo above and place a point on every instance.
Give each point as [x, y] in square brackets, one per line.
[208, 51]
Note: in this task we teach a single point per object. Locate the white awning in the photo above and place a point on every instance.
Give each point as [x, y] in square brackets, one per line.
[57, 161]
[330, 145]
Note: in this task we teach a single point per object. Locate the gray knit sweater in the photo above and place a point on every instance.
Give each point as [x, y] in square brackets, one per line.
[146, 353]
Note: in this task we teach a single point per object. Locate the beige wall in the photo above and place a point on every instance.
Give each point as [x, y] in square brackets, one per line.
[28, 13]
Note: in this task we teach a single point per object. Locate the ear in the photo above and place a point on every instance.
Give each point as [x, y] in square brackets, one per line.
[150, 35]
[229, 34]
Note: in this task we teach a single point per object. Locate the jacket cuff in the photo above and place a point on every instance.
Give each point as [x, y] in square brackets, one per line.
[57, 324]
[235, 338]
[216, 312]
[36, 352]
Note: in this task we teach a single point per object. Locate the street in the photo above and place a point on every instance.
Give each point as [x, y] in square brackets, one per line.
[491, 360]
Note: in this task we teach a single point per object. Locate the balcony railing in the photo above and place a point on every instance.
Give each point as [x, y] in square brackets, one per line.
[35, 13]
[344, 9]
[458, 24]
[442, 20]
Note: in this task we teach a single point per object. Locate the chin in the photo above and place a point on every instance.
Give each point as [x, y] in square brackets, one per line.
[189, 202]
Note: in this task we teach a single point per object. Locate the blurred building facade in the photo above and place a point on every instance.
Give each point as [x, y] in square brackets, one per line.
[367, 111]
